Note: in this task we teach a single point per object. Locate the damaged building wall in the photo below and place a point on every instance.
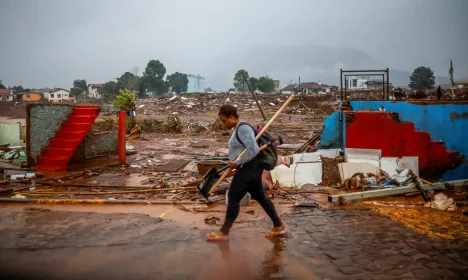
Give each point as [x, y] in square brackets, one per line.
[383, 131]
[11, 134]
[42, 123]
[97, 144]
[332, 136]
[444, 122]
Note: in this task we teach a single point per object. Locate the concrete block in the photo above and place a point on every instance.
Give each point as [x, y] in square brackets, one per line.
[245, 200]
[411, 163]
[363, 156]
[389, 165]
[348, 169]
[329, 153]
[298, 174]
[306, 157]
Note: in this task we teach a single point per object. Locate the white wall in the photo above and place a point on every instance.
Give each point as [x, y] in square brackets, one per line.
[6, 97]
[361, 83]
[58, 96]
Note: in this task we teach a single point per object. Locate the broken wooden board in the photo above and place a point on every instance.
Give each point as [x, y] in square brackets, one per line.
[190, 167]
[393, 191]
[173, 166]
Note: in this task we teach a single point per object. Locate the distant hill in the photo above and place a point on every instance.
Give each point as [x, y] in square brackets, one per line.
[312, 63]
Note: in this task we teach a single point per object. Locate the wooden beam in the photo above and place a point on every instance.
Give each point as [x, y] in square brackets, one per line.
[393, 191]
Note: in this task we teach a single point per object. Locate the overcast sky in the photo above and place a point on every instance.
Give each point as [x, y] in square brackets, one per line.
[47, 43]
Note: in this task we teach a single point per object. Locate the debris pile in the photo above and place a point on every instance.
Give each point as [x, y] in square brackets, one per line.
[192, 103]
[13, 155]
[173, 124]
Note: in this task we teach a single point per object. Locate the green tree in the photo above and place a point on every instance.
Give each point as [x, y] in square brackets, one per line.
[239, 81]
[128, 81]
[253, 83]
[2, 86]
[79, 86]
[153, 77]
[142, 88]
[422, 78]
[108, 91]
[178, 82]
[18, 89]
[266, 84]
[126, 100]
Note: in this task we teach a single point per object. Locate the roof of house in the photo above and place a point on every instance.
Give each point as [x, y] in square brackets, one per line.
[5, 91]
[57, 89]
[313, 85]
[96, 85]
[290, 87]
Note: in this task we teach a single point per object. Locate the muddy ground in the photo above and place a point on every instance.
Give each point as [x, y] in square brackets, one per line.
[153, 242]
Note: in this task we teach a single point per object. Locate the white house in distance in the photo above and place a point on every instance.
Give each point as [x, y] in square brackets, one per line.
[307, 88]
[195, 83]
[6, 94]
[58, 95]
[93, 90]
[289, 89]
[356, 83]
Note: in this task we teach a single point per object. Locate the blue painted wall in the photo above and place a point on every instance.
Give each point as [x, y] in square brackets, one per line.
[445, 122]
[195, 84]
[332, 133]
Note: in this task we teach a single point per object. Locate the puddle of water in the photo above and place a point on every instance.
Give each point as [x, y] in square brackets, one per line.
[168, 212]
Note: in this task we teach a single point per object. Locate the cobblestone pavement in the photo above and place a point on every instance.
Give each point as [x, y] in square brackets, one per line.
[329, 244]
[363, 244]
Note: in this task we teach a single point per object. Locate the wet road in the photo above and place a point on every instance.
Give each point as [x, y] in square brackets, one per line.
[331, 244]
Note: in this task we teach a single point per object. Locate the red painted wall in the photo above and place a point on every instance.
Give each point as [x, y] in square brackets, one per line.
[377, 130]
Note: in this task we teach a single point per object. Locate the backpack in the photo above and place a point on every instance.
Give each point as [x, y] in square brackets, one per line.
[269, 156]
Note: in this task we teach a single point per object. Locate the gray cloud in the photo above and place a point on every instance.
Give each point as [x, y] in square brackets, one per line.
[52, 42]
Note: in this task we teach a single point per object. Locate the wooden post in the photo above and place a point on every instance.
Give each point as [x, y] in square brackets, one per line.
[122, 145]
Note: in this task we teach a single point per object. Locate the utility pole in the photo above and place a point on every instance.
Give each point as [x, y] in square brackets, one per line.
[299, 86]
[254, 96]
[451, 79]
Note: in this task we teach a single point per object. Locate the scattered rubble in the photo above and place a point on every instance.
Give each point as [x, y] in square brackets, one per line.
[442, 202]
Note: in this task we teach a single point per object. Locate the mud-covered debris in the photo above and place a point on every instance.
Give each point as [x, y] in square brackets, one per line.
[330, 171]
[442, 202]
[212, 220]
[173, 124]
[217, 125]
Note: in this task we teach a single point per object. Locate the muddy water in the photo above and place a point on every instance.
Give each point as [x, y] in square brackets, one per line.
[79, 245]
[192, 215]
